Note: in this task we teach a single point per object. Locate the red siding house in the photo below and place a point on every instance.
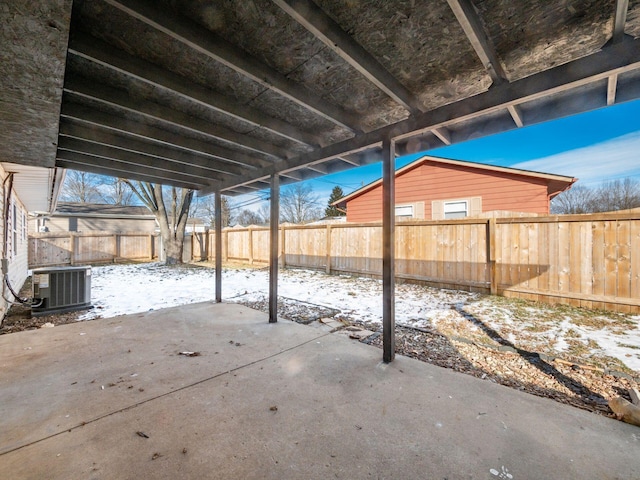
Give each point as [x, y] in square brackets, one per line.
[435, 188]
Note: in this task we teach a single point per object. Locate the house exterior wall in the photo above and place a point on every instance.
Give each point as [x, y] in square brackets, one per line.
[430, 182]
[17, 246]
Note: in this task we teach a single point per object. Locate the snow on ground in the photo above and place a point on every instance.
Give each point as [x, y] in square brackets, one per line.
[124, 289]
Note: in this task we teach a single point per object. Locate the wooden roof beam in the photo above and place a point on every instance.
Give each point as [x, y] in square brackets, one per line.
[105, 137]
[207, 43]
[137, 159]
[351, 161]
[107, 121]
[325, 29]
[612, 87]
[443, 134]
[613, 59]
[317, 167]
[516, 114]
[114, 168]
[620, 19]
[469, 20]
[120, 99]
[102, 53]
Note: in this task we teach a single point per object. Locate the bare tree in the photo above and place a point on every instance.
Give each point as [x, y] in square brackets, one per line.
[118, 192]
[298, 204]
[206, 209]
[82, 187]
[578, 199]
[617, 195]
[172, 221]
[248, 217]
[608, 197]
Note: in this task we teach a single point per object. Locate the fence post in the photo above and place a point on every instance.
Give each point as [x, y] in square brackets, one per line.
[250, 245]
[491, 255]
[328, 246]
[283, 248]
[116, 250]
[225, 255]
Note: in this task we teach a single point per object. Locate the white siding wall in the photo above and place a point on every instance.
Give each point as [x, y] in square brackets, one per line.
[17, 247]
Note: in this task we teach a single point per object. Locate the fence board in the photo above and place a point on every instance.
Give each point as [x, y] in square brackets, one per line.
[586, 260]
[85, 248]
[598, 261]
[624, 263]
[610, 259]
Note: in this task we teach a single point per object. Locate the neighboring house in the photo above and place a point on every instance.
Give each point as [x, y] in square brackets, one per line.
[26, 191]
[91, 217]
[435, 188]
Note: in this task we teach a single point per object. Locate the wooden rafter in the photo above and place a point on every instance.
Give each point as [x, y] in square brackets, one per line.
[323, 27]
[207, 43]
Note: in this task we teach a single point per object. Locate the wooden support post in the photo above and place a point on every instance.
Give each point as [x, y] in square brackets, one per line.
[218, 240]
[151, 246]
[273, 250]
[283, 247]
[226, 246]
[328, 246]
[388, 250]
[491, 255]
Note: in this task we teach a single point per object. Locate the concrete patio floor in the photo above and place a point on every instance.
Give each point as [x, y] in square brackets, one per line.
[273, 401]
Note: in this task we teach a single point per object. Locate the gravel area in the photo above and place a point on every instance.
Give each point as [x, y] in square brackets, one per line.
[581, 385]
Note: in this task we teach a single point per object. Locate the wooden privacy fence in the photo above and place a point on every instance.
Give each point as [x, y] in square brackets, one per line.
[69, 248]
[591, 261]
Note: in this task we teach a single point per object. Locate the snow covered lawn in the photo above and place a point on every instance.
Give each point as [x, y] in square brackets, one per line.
[597, 337]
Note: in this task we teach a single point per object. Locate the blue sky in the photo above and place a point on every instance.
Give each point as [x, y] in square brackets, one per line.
[596, 146]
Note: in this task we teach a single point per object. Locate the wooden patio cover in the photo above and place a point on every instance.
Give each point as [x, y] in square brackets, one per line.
[231, 97]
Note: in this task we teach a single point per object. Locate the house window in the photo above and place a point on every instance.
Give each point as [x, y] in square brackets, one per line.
[459, 209]
[404, 211]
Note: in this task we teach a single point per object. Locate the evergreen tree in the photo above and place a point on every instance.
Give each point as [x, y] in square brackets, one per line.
[331, 211]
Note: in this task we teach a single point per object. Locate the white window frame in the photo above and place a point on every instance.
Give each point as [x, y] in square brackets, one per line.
[454, 210]
[400, 211]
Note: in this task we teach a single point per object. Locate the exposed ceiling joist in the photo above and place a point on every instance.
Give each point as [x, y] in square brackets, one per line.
[516, 114]
[104, 152]
[351, 161]
[121, 100]
[443, 135]
[323, 27]
[207, 43]
[318, 168]
[620, 19]
[144, 132]
[182, 159]
[612, 86]
[470, 22]
[97, 51]
[114, 168]
[614, 59]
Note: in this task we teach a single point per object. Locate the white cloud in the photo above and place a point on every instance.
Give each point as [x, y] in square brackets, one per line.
[610, 160]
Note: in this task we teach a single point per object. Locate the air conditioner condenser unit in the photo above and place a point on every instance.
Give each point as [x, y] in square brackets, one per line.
[61, 289]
